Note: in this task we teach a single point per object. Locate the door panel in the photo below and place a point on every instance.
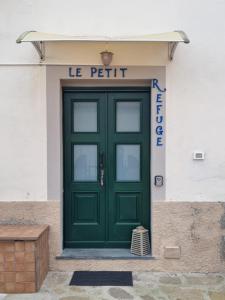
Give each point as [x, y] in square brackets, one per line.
[127, 208]
[84, 140]
[129, 153]
[106, 167]
[82, 201]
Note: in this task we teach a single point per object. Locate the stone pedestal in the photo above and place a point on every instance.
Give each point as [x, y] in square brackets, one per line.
[24, 257]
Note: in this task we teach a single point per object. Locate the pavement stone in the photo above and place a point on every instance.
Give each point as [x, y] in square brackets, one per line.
[217, 295]
[119, 293]
[74, 298]
[179, 293]
[37, 296]
[147, 297]
[170, 280]
[147, 286]
[201, 279]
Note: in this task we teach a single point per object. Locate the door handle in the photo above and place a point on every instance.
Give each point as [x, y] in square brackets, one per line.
[101, 168]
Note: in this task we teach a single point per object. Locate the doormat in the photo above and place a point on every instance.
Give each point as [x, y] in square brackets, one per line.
[102, 278]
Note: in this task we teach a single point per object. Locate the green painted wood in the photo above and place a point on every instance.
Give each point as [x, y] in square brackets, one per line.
[96, 216]
[128, 201]
[84, 202]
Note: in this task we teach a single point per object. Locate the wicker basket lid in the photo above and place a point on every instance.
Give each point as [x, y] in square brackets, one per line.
[140, 229]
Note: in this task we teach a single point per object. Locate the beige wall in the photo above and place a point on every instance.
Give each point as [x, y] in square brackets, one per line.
[125, 54]
[197, 228]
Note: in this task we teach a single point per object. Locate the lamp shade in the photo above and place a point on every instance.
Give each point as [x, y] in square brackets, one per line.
[106, 57]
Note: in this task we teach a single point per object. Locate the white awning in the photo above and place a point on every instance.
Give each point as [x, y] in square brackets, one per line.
[38, 39]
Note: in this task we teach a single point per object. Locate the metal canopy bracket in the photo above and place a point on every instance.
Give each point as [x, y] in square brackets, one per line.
[173, 45]
[171, 48]
[39, 46]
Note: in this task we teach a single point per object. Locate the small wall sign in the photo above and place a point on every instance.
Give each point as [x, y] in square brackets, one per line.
[158, 180]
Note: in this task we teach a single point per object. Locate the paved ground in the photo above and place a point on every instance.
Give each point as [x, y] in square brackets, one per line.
[147, 286]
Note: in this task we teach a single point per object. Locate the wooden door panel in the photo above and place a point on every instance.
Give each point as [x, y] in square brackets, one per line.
[84, 199]
[85, 208]
[127, 208]
[129, 192]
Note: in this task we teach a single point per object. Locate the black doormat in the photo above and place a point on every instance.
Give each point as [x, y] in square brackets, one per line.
[102, 278]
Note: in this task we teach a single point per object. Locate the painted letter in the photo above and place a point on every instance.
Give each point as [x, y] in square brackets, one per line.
[159, 130]
[108, 71]
[93, 71]
[123, 71]
[78, 72]
[155, 85]
[158, 98]
[159, 141]
[70, 72]
[159, 119]
[158, 108]
[100, 71]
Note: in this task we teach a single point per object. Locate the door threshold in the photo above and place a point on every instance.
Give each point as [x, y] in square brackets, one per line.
[100, 253]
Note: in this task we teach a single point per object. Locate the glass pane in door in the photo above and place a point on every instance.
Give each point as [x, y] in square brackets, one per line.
[128, 162]
[85, 116]
[127, 116]
[85, 162]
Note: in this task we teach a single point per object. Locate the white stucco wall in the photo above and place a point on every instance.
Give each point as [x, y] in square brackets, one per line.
[23, 133]
[195, 106]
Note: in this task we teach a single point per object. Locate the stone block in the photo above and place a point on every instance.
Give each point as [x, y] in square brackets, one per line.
[25, 276]
[19, 246]
[10, 287]
[7, 246]
[9, 276]
[20, 257]
[30, 287]
[20, 287]
[9, 266]
[29, 246]
[29, 257]
[9, 256]
[173, 252]
[20, 267]
[29, 267]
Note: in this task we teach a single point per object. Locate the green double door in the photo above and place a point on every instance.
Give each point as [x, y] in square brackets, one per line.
[106, 166]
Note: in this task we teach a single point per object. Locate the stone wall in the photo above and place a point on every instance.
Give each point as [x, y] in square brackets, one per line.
[191, 232]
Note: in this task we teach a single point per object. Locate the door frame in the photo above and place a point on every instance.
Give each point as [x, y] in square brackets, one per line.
[107, 90]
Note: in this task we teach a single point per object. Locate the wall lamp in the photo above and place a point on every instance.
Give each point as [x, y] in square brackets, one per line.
[106, 57]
